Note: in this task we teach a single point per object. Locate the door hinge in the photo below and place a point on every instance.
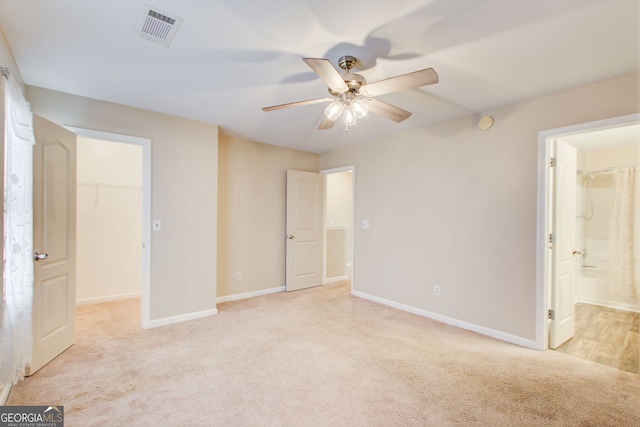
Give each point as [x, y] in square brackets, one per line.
[552, 238]
[552, 162]
[551, 314]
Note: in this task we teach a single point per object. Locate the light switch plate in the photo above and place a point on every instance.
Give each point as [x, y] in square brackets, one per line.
[157, 225]
[365, 224]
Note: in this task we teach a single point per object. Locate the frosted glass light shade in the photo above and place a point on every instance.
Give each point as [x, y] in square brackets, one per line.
[333, 110]
[349, 117]
[359, 108]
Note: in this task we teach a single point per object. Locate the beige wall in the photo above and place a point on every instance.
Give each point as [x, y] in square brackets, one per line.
[108, 221]
[183, 193]
[612, 157]
[251, 213]
[339, 199]
[337, 252]
[454, 206]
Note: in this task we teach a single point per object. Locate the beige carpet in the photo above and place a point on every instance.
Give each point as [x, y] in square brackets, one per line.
[317, 357]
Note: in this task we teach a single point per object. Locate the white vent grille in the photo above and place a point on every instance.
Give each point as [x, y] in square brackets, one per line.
[157, 26]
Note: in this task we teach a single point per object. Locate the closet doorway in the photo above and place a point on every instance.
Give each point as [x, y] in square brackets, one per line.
[112, 219]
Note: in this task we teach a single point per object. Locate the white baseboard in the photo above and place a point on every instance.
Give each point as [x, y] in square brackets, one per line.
[616, 305]
[4, 393]
[337, 279]
[451, 321]
[177, 319]
[236, 297]
[97, 300]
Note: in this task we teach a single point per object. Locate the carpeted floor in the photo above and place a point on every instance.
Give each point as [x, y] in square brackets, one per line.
[317, 357]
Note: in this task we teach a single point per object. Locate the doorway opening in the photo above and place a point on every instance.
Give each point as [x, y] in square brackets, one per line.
[108, 221]
[113, 221]
[602, 318]
[339, 224]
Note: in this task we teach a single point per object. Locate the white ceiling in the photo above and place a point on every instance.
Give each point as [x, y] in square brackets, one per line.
[230, 58]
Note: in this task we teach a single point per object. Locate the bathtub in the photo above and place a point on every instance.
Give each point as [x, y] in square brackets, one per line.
[592, 286]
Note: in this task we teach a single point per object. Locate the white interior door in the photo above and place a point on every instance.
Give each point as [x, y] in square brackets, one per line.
[562, 327]
[54, 210]
[305, 197]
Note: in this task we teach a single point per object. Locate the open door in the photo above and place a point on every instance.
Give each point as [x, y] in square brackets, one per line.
[562, 326]
[54, 224]
[304, 248]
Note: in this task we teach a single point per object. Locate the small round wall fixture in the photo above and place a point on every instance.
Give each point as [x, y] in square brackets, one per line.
[485, 122]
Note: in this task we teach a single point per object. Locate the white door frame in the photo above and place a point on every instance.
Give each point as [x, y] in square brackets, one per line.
[544, 225]
[145, 143]
[326, 172]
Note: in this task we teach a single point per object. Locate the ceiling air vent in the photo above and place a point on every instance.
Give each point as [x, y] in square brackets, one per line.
[157, 26]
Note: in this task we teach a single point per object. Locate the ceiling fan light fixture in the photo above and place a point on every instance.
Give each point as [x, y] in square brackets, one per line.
[349, 117]
[354, 96]
[352, 107]
[333, 110]
[359, 108]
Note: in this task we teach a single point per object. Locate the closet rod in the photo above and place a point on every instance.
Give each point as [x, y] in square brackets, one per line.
[97, 184]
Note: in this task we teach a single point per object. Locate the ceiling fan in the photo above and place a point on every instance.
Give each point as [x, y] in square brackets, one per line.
[353, 97]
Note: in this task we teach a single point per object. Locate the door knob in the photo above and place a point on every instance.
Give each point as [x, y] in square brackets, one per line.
[289, 236]
[39, 256]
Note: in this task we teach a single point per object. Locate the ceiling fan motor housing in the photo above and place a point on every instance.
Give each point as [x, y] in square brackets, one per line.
[353, 81]
[347, 62]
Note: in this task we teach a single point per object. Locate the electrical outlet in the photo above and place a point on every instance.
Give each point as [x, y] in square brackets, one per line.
[436, 290]
[238, 275]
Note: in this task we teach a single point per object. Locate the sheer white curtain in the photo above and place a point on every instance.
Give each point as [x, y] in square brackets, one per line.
[15, 339]
[624, 235]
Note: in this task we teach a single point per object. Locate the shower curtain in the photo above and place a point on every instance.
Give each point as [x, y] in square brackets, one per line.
[625, 235]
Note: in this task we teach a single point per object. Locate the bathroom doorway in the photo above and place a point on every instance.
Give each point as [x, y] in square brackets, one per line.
[604, 295]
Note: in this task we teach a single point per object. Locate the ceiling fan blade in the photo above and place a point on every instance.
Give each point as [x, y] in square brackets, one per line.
[297, 104]
[389, 111]
[326, 124]
[327, 73]
[424, 77]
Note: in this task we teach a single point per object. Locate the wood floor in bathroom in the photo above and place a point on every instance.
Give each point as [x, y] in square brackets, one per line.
[607, 336]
